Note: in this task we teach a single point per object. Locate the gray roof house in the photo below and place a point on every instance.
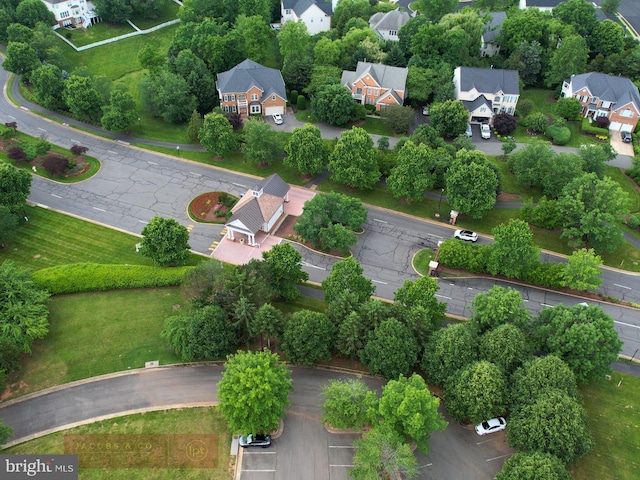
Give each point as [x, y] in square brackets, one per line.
[387, 24]
[486, 91]
[259, 209]
[543, 5]
[315, 14]
[250, 88]
[488, 46]
[376, 84]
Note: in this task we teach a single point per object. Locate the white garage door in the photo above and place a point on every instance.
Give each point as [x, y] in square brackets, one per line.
[615, 126]
[626, 127]
[272, 110]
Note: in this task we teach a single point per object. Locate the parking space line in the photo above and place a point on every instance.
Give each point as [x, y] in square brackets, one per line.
[341, 446]
[260, 453]
[497, 458]
[342, 466]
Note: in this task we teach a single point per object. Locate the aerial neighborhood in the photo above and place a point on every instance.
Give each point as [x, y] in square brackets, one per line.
[320, 239]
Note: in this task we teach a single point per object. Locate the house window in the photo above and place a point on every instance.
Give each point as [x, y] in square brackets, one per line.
[393, 33]
[626, 113]
[606, 104]
[273, 97]
[254, 97]
[225, 98]
[255, 109]
[368, 91]
[226, 108]
[64, 14]
[233, 108]
[242, 98]
[375, 92]
[287, 11]
[359, 91]
[233, 97]
[496, 99]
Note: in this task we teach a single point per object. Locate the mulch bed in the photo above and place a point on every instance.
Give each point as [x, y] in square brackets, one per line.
[208, 207]
[285, 230]
[80, 167]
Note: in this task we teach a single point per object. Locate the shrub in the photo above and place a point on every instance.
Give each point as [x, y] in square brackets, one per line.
[7, 132]
[464, 256]
[90, 277]
[504, 123]
[558, 135]
[370, 109]
[17, 153]
[30, 150]
[633, 222]
[42, 146]
[546, 214]
[568, 108]
[78, 149]
[592, 129]
[525, 107]
[383, 143]
[546, 274]
[55, 164]
[537, 122]
[293, 97]
[234, 119]
[602, 122]
[301, 102]
[359, 112]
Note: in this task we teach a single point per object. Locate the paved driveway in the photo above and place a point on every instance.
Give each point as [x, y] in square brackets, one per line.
[619, 146]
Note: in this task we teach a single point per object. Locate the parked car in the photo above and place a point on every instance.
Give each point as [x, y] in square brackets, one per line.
[258, 440]
[277, 119]
[466, 235]
[425, 110]
[626, 137]
[490, 426]
[469, 132]
[485, 131]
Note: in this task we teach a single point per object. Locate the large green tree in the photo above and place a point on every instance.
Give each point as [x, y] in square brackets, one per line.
[533, 466]
[449, 118]
[8, 224]
[199, 79]
[253, 34]
[434, 10]
[471, 188]
[307, 151]
[505, 346]
[570, 58]
[584, 337]
[496, 307]
[527, 60]
[348, 403]
[411, 410]
[167, 95]
[448, 351]
[554, 423]
[347, 275]
[391, 349]
[308, 337]
[165, 241]
[261, 143]
[120, 113]
[582, 271]
[285, 270]
[5, 433]
[216, 134]
[47, 83]
[413, 174]
[353, 161]
[82, 98]
[293, 38]
[421, 293]
[31, 12]
[477, 392]
[333, 104]
[254, 391]
[591, 209]
[113, 11]
[15, 185]
[268, 321]
[21, 59]
[381, 453]
[513, 253]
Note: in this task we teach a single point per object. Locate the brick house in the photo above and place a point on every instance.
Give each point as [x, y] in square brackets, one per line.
[603, 95]
[486, 92]
[252, 89]
[376, 84]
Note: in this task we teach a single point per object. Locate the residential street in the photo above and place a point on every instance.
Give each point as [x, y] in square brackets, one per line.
[134, 185]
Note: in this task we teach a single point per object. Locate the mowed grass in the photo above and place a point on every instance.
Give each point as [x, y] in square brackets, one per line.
[49, 239]
[180, 421]
[96, 33]
[614, 420]
[168, 13]
[114, 60]
[97, 333]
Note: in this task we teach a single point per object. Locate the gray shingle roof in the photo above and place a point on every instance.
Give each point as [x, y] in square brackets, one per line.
[301, 6]
[274, 185]
[472, 105]
[618, 90]
[385, 75]
[543, 3]
[492, 29]
[489, 80]
[393, 20]
[248, 74]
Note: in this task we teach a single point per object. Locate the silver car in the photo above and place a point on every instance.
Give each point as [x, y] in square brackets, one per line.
[469, 132]
[490, 426]
[466, 235]
[485, 131]
[277, 119]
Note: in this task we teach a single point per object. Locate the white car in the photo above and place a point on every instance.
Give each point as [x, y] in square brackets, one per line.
[277, 119]
[469, 132]
[466, 235]
[485, 131]
[425, 110]
[490, 426]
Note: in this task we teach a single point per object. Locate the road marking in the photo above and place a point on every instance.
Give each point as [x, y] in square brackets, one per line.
[239, 185]
[305, 264]
[379, 221]
[258, 453]
[64, 124]
[75, 141]
[112, 152]
[469, 288]
[142, 221]
[545, 305]
[24, 108]
[245, 470]
[622, 286]
[41, 129]
[378, 281]
[99, 209]
[526, 300]
[342, 466]
[151, 163]
[627, 324]
[123, 142]
[54, 195]
[497, 458]
[341, 446]
[442, 296]
[11, 116]
[423, 466]
[196, 174]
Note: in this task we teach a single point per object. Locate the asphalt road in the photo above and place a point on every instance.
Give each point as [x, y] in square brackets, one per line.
[304, 450]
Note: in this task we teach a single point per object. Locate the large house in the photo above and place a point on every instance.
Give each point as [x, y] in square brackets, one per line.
[490, 32]
[376, 84]
[316, 14]
[603, 95]
[252, 89]
[486, 91]
[387, 24]
[258, 210]
[542, 5]
[73, 13]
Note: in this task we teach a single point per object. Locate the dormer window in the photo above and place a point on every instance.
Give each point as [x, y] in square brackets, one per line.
[256, 192]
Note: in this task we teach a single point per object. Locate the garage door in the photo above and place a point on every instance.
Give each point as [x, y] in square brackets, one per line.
[626, 127]
[272, 110]
[615, 126]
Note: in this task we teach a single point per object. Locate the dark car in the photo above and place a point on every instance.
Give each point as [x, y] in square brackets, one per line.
[257, 440]
[626, 137]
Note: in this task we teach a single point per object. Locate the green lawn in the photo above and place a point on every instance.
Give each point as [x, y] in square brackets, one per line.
[614, 418]
[182, 421]
[49, 239]
[97, 333]
[170, 12]
[101, 31]
[376, 126]
[422, 259]
[117, 59]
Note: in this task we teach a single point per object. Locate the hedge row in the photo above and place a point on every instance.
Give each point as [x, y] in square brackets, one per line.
[592, 129]
[473, 258]
[90, 277]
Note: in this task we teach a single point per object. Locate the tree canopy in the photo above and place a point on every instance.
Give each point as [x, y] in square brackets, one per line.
[448, 351]
[412, 176]
[15, 185]
[261, 144]
[353, 161]
[333, 104]
[307, 151]
[308, 337]
[165, 241]
[391, 349]
[513, 253]
[471, 188]
[285, 271]
[496, 307]
[533, 466]
[347, 275]
[216, 134]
